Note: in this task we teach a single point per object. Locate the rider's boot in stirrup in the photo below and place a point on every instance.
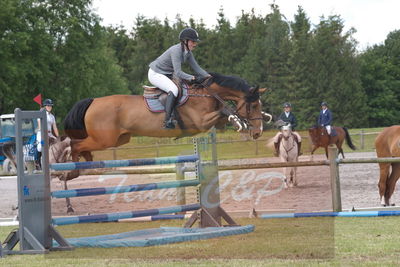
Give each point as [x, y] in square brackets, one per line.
[276, 152]
[169, 107]
[299, 149]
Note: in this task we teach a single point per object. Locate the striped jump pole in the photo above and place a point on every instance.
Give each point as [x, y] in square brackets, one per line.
[332, 214]
[108, 217]
[122, 189]
[122, 163]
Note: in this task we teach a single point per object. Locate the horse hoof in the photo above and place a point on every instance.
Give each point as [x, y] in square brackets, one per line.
[70, 211]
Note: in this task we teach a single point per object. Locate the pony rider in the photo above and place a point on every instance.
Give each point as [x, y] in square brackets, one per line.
[325, 118]
[288, 117]
[168, 65]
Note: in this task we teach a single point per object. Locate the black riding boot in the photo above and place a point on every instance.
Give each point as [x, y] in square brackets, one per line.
[276, 152]
[299, 149]
[169, 107]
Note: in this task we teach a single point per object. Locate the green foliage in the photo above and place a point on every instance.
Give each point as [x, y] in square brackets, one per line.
[59, 49]
[380, 72]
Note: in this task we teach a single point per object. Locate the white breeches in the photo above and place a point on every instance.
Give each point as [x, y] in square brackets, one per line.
[162, 82]
[328, 129]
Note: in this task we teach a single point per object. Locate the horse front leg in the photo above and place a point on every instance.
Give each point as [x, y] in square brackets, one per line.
[383, 177]
[313, 148]
[70, 210]
[391, 182]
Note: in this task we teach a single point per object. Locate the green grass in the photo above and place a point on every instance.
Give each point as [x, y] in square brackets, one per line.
[231, 145]
[275, 242]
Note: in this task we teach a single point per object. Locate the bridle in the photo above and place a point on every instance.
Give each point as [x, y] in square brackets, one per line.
[233, 114]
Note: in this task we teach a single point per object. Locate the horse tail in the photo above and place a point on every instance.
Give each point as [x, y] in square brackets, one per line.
[348, 139]
[74, 122]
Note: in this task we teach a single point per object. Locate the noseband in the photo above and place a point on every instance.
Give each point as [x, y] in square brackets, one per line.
[233, 113]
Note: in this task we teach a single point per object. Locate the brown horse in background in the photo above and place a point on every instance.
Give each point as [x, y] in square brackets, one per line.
[110, 121]
[387, 145]
[319, 138]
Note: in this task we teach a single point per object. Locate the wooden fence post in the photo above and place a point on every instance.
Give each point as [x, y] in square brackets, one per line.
[335, 179]
[362, 139]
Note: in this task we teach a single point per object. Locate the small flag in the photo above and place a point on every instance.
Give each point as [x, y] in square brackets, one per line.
[38, 99]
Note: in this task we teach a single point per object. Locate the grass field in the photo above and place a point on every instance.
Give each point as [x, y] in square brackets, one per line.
[230, 145]
[275, 242]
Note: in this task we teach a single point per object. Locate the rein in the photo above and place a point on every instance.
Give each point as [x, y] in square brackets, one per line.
[206, 83]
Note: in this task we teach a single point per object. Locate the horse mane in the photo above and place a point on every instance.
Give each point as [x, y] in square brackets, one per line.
[235, 83]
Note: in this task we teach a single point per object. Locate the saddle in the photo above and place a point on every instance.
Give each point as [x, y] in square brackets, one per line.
[155, 98]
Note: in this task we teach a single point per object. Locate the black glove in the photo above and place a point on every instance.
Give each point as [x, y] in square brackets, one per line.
[198, 79]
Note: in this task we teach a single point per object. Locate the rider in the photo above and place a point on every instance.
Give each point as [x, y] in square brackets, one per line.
[325, 118]
[168, 65]
[52, 130]
[288, 117]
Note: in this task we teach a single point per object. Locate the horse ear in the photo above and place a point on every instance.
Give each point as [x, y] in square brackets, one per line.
[253, 89]
[262, 90]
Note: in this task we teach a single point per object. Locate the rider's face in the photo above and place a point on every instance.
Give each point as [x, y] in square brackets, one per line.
[191, 45]
[48, 108]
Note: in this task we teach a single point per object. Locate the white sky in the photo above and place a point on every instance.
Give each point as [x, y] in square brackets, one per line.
[373, 19]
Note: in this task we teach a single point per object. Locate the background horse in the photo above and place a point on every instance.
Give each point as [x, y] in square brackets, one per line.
[100, 123]
[288, 153]
[319, 138]
[387, 145]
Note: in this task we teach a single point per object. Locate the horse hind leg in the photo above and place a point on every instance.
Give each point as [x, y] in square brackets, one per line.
[391, 182]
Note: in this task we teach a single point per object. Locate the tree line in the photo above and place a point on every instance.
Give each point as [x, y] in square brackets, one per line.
[59, 49]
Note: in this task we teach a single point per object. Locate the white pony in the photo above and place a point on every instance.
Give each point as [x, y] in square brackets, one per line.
[288, 153]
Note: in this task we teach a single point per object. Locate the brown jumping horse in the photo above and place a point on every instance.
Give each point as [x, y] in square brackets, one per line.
[319, 138]
[110, 121]
[387, 145]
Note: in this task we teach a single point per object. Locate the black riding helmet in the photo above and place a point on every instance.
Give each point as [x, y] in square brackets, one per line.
[48, 102]
[324, 104]
[287, 105]
[189, 34]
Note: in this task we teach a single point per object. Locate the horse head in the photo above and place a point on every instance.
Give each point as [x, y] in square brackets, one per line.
[314, 133]
[286, 130]
[248, 107]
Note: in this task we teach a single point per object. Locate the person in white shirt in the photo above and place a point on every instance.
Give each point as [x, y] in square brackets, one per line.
[52, 130]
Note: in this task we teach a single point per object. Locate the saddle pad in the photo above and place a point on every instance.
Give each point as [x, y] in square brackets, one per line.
[333, 131]
[154, 104]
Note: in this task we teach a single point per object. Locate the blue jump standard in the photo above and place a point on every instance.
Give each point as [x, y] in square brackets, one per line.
[109, 217]
[121, 163]
[333, 214]
[122, 189]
